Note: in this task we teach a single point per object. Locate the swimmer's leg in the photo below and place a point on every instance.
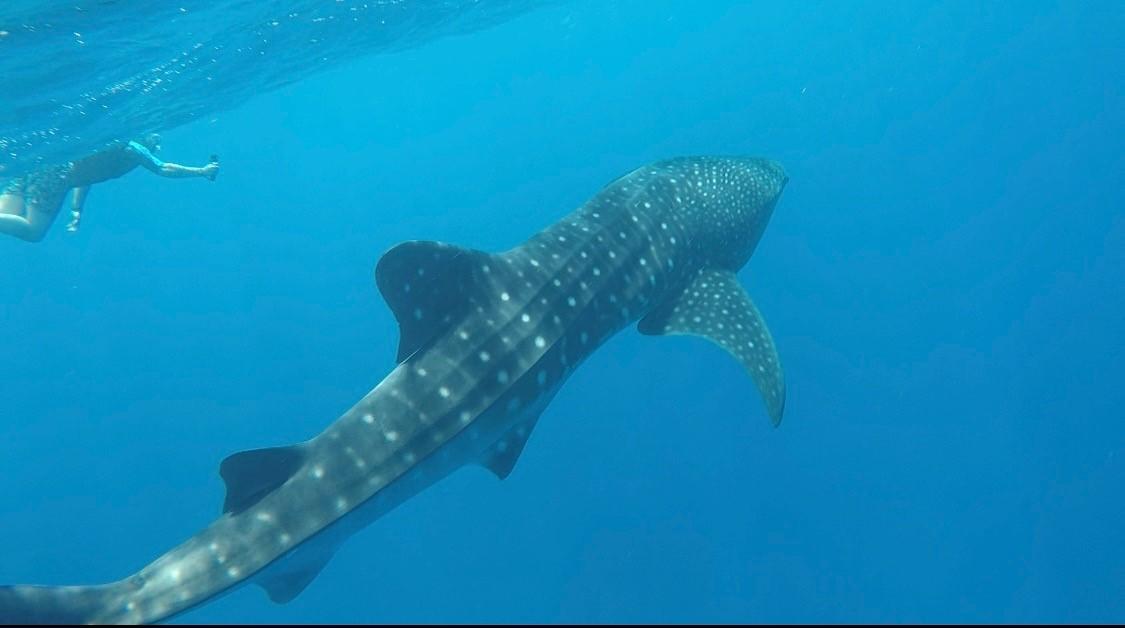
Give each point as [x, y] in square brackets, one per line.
[12, 221]
[18, 226]
[11, 204]
[41, 215]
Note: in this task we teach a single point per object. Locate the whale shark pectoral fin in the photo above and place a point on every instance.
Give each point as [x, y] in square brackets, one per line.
[251, 475]
[501, 458]
[286, 583]
[425, 284]
[715, 306]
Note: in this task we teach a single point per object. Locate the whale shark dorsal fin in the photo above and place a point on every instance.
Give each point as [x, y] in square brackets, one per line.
[425, 284]
[715, 306]
[501, 458]
[286, 583]
[251, 475]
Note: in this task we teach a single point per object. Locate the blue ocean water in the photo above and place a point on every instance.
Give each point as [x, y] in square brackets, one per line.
[943, 279]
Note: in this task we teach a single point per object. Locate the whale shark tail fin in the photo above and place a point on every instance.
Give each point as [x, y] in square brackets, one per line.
[43, 605]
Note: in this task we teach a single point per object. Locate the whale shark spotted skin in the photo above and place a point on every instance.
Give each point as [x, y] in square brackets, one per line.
[486, 340]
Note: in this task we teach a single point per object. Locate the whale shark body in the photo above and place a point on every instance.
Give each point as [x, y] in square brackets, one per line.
[486, 341]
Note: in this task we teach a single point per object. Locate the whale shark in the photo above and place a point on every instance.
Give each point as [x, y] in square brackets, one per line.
[486, 341]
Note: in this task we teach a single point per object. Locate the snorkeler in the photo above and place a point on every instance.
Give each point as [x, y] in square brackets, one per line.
[30, 204]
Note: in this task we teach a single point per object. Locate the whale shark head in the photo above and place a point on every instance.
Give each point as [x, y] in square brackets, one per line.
[724, 202]
[759, 183]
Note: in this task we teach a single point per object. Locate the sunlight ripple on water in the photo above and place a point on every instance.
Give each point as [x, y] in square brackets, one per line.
[80, 74]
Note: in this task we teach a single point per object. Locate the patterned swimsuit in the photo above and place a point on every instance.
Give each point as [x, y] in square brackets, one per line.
[42, 190]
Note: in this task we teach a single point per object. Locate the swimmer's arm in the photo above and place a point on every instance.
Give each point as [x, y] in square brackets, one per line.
[169, 169]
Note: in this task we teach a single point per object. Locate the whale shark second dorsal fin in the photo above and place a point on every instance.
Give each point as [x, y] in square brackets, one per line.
[425, 285]
[251, 475]
[715, 306]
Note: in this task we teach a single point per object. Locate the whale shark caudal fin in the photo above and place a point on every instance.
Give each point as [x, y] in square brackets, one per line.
[425, 285]
[715, 306]
[251, 475]
[37, 605]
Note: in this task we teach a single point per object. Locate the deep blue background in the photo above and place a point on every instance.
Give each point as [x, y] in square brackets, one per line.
[943, 278]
